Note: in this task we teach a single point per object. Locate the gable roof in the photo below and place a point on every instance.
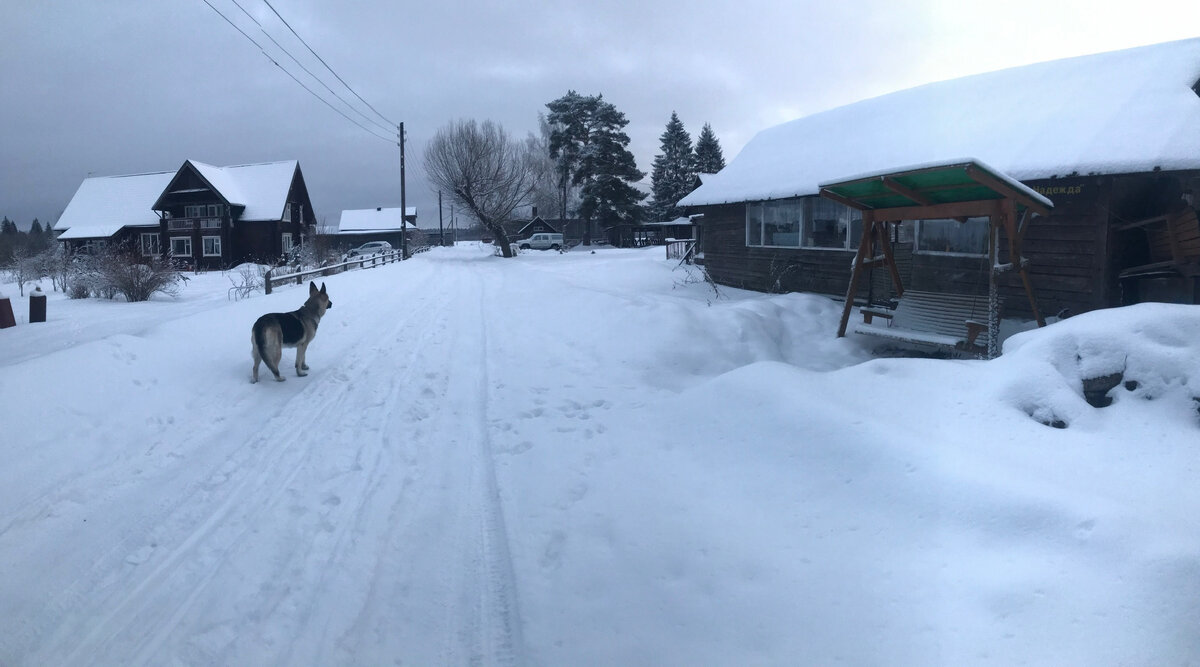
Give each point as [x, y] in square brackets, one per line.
[375, 219]
[1118, 112]
[104, 204]
[261, 188]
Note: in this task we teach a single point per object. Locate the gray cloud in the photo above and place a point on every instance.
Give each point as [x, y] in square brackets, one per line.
[128, 86]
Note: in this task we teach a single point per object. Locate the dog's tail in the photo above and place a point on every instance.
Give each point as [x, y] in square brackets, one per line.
[261, 351]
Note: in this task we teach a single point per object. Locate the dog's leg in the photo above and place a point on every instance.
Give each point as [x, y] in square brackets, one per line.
[300, 365]
[257, 359]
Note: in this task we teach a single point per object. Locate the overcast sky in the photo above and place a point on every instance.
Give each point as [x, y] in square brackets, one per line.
[129, 86]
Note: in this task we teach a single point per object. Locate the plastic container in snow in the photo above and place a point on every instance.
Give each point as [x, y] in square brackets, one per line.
[37, 305]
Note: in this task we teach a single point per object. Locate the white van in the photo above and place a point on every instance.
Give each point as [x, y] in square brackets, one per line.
[545, 241]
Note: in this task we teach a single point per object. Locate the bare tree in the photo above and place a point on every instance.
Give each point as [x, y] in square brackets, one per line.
[483, 171]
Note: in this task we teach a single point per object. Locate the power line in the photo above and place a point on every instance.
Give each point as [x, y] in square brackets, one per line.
[310, 50]
[298, 81]
[307, 71]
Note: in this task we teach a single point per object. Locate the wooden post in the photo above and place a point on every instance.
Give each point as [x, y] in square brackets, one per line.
[885, 244]
[993, 333]
[267, 281]
[863, 247]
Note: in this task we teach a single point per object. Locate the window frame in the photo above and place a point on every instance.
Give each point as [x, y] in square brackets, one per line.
[919, 228]
[155, 243]
[187, 240]
[204, 242]
[803, 209]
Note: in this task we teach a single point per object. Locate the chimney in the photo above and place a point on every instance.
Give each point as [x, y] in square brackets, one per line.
[378, 208]
[534, 213]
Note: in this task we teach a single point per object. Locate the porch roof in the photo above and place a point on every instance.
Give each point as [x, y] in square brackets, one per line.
[933, 185]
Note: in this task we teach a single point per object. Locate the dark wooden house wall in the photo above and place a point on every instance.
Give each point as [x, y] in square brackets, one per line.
[1075, 255]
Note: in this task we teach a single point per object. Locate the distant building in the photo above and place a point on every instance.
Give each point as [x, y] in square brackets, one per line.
[358, 226]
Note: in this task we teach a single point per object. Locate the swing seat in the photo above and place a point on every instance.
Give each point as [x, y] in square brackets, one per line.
[930, 318]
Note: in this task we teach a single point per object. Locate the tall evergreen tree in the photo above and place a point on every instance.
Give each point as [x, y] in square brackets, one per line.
[8, 226]
[36, 228]
[709, 159]
[589, 138]
[568, 122]
[674, 171]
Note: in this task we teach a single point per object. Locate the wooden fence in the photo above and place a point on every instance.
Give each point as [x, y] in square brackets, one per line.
[271, 281]
[683, 250]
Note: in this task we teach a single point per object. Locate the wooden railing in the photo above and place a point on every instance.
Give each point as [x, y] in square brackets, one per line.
[365, 262]
[682, 249]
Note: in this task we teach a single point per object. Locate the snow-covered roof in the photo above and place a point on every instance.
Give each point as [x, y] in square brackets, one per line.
[262, 188]
[1118, 112]
[374, 219]
[104, 204]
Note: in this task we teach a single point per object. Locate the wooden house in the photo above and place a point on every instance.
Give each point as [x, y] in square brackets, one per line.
[202, 216]
[215, 217]
[1112, 139]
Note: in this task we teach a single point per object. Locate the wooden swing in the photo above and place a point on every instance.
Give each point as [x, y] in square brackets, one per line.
[955, 190]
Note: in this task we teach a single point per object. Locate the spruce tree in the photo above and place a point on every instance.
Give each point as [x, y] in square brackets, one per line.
[709, 159]
[674, 172]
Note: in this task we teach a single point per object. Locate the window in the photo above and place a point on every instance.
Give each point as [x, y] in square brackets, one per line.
[953, 237]
[287, 242]
[181, 246]
[210, 223]
[832, 225]
[212, 246]
[287, 212]
[201, 211]
[149, 244]
[774, 223]
[809, 222]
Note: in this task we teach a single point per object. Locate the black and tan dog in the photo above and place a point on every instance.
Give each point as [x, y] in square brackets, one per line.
[275, 331]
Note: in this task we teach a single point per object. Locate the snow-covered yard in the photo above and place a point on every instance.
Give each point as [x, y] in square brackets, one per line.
[587, 459]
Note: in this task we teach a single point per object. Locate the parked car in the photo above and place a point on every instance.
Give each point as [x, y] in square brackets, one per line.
[370, 248]
[543, 241]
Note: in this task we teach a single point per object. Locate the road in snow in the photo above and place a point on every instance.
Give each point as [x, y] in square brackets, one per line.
[588, 459]
[348, 517]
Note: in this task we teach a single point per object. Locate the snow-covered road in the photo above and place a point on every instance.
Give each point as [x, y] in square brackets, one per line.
[588, 459]
[311, 521]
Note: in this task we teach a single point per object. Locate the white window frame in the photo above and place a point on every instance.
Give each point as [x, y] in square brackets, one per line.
[187, 241]
[201, 211]
[951, 253]
[851, 218]
[204, 245]
[773, 209]
[153, 243]
[287, 212]
[767, 212]
[286, 241]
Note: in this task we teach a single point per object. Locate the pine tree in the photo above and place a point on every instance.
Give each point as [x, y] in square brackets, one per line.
[35, 228]
[8, 226]
[568, 121]
[674, 172]
[590, 140]
[709, 159]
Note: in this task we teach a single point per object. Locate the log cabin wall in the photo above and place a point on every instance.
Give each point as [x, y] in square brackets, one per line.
[1075, 255]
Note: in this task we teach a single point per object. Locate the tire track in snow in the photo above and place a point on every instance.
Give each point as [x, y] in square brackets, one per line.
[265, 458]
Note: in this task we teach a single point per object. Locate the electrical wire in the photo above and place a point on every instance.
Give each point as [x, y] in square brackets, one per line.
[309, 72]
[298, 81]
[310, 50]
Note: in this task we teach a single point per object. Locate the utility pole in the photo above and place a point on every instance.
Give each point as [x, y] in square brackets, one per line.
[441, 229]
[403, 203]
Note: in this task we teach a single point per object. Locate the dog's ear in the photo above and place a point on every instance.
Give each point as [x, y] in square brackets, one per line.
[323, 289]
[312, 287]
